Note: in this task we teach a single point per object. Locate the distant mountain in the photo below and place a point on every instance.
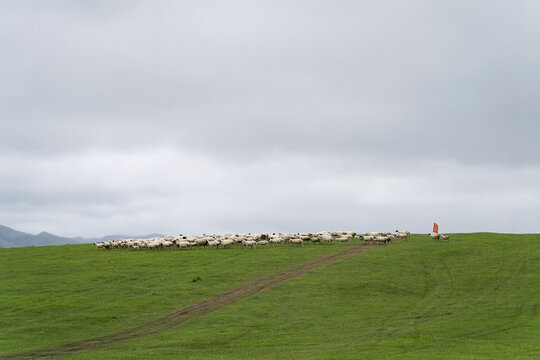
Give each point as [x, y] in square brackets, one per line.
[13, 238]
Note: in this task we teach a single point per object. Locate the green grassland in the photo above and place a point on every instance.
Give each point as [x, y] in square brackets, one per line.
[474, 297]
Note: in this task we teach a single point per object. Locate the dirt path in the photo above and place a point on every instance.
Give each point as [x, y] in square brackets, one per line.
[191, 312]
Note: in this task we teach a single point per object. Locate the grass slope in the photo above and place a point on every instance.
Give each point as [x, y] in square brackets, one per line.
[475, 297]
[56, 294]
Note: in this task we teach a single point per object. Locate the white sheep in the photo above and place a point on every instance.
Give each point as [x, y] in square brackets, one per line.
[297, 241]
[276, 239]
[227, 243]
[373, 233]
[343, 239]
[402, 235]
[201, 241]
[166, 244]
[368, 239]
[326, 237]
[213, 243]
[183, 244]
[249, 243]
[382, 239]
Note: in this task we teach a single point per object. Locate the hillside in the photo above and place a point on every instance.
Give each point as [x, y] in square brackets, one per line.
[473, 297]
[14, 238]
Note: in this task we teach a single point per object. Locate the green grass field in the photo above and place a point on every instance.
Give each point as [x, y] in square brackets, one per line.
[474, 297]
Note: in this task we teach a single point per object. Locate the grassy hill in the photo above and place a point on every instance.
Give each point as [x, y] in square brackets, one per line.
[475, 297]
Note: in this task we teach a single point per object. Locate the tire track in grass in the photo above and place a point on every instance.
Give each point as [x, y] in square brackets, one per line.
[521, 316]
[196, 310]
[395, 322]
[429, 307]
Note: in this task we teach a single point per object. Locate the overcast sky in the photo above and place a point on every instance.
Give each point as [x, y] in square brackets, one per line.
[263, 116]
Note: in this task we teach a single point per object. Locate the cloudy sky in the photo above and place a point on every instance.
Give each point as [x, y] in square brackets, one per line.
[247, 116]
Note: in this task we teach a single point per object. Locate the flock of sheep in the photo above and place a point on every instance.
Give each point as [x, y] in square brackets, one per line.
[248, 240]
[436, 236]
[384, 237]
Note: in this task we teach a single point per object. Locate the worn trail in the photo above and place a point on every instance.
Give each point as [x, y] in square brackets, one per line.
[194, 311]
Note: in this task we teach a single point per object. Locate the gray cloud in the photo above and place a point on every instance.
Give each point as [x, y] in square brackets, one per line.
[197, 116]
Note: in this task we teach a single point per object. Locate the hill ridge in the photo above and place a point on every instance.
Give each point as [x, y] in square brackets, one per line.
[10, 237]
